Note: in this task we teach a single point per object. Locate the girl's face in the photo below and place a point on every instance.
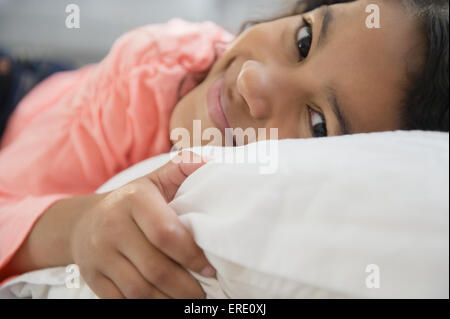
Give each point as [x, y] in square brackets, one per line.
[323, 73]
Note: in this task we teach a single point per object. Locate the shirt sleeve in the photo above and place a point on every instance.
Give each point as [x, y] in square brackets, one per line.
[77, 129]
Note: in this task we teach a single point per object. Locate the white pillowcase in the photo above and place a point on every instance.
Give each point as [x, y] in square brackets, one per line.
[359, 216]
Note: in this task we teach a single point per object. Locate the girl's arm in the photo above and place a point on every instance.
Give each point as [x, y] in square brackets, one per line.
[48, 244]
[127, 243]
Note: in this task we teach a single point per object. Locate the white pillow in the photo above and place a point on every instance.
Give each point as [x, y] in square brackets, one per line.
[360, 216]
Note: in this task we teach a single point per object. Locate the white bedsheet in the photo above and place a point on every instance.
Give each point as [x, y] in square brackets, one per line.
[316, 228]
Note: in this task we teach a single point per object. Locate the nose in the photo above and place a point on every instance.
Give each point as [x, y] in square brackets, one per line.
[255, 86]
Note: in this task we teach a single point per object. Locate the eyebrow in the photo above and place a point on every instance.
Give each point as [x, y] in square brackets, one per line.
[327, 17]
[344, 126]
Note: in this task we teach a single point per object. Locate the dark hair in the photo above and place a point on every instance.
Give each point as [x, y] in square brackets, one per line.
[426, 102]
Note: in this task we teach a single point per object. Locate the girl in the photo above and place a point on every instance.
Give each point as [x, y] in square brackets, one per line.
[317, 71]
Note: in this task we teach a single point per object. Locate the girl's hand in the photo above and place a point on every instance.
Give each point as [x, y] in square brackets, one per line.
[132, 244]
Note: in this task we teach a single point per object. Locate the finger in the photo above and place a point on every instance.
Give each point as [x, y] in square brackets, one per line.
[169, 177]
[130, 282]
[103, 287]
[164, 230]
[189, 161]
[157, 268]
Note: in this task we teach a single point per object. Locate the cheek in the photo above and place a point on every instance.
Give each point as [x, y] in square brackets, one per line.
[176, 116]
[184, 110]
[192, 107]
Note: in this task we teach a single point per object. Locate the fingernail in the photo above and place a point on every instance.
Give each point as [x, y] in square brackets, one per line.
[208, 271]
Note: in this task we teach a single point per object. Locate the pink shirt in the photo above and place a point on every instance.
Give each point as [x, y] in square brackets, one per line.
[77, 129]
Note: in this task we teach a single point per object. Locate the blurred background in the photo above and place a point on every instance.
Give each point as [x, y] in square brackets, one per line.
[36, 28]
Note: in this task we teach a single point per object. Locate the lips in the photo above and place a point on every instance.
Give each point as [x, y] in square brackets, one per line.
[215, 104]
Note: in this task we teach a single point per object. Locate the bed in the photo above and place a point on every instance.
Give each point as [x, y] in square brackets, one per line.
[358, 216]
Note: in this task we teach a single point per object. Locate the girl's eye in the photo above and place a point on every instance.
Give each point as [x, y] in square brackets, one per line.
[304, 40]
[318, 124]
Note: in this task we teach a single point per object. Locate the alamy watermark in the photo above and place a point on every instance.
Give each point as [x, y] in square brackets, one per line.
[373, 19]
[72, 279]
[73, 17]
[373, 277]
[265, 154]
